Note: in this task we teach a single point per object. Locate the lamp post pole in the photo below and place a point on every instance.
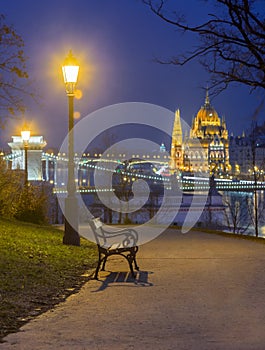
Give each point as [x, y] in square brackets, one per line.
[71, 236]
[26, 163]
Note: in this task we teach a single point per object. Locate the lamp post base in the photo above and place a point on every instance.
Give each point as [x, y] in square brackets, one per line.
[71, 236]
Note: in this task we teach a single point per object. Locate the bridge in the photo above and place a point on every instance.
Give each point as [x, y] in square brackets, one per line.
[189, 183]
[135, 169]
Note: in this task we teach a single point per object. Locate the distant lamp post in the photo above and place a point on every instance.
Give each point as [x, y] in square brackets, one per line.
[70, 70]
[25, 135]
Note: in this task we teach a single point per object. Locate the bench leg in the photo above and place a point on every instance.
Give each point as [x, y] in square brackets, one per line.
[131, 268]
[135, 264]
[99, 263]
[131, 258]
[134, 258]
[104, 263]
[98, 266]
[97, 270]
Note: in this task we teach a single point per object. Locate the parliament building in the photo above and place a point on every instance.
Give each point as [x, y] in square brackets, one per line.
[206, 148]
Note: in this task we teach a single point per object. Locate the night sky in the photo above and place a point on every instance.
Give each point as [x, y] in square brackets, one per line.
[115, 43]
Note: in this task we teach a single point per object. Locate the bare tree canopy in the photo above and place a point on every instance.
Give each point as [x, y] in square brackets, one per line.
[13, 74]
[231, 41]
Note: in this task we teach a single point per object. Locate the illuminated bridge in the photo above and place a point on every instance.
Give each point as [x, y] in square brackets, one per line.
[190, 183]
[52, 165]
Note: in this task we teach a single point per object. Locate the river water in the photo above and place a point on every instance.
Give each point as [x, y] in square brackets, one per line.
[238, 215]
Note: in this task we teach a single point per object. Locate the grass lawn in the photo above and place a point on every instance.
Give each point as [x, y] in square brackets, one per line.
[37, 271]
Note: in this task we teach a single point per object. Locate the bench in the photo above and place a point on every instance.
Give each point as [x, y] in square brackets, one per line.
[117, 242]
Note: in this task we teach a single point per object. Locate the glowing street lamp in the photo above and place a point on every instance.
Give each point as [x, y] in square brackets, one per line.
[70, 71]
[25, 135]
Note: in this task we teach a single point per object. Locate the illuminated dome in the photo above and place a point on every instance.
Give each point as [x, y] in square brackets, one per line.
[207, 115]
[211, 130]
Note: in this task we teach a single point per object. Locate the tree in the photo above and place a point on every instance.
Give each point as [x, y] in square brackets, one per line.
[237, 213]
[231, 42]
[14, 77]
[256, 207]
[122, 183]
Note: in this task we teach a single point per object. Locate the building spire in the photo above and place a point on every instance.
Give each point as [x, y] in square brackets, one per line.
[207, 100]
[177, 130]
[176, 144]
[223, 122]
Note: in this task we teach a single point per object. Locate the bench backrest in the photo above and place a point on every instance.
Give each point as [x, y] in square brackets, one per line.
[96, 224]
[126, 237]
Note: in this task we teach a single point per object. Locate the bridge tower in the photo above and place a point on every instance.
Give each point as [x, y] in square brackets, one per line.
[35, 147]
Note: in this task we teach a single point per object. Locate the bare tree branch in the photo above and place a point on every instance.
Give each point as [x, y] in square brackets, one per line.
[14, 82]
[231, 42]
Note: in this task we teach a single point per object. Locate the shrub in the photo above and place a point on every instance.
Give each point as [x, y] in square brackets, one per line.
[32, 205]
[10, 187]
[25, 203]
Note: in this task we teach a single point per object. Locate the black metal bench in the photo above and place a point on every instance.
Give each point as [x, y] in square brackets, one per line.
[117, 242]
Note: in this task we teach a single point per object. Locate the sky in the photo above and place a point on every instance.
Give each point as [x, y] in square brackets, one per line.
[115, 42]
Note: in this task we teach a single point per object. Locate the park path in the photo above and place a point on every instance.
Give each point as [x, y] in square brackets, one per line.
[195, 291]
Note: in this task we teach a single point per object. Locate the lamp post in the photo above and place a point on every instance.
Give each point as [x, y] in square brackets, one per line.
[70, 70]
[25, 135]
